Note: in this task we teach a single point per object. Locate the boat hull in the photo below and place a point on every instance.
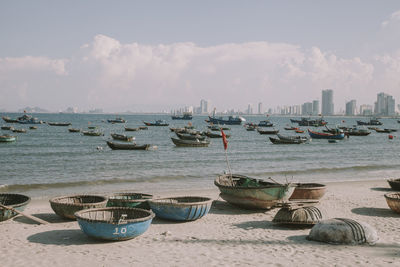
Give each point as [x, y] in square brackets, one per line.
[317, 135]
[16, 201]
[229, 121]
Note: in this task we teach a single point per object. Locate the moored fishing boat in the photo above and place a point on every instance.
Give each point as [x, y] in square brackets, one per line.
[156, 123]
[74, 130]
[9, 120]
[117, 120]
[185, 136]
[7, 128]
[286, 141]
[122, 137]
[117, 223]
[230, 121]
[190, 143]
[252, 193]
[59, 123]
[130, 129]
[92, 133]
[215, 135]
[261, 131]
[318, 135]
[28, 119]
[185, 116]
[370, 122]
[7, 138]
[127, 146]
[357, 132]
[19, 130]
[265, 123]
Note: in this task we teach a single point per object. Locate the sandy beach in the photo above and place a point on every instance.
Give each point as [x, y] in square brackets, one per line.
[227, 236]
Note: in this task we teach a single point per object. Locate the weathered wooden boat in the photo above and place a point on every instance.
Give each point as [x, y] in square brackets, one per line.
[117, 120]
[117, 223]
[230, 121]
[394, 184]
[370, 122]
[7, 128]
[218, 128]
[251, 127]
[286, 141]
[59, 123]
[190, 136]
[143, 128]
[7, 138]
[393, 201]
[28, 119]
[129, 129]
[156, 123]
[92, 133]
[187, 208]
[308, 191]
[185, 116]
[9, 120]
[292, 137]
[190, 143]
[74, 130]
[252, 193]
[19, 130]
[382, 130]
[129, 200]
[318, 135]
[122, 137]
[32, 127]
[215, 135]
[66, 206]
[292, 128]
[261, 131]
[15, 201]
[127, 146]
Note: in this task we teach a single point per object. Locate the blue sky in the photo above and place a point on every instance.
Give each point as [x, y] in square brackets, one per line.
[154, 55]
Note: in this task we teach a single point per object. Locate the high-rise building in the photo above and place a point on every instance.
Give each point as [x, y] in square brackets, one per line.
[307, 108]
[260, 108]
[204, 106]
[327, 102]
[385, 105]
[351, 108]
[249, 109]
[365, 110]
[315, 107]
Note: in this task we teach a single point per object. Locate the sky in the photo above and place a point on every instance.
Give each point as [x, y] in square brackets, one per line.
[149, 56]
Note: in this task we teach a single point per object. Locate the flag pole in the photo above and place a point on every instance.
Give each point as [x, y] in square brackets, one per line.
[225, 142]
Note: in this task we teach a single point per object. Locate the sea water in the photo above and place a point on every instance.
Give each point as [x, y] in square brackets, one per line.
[52, 161]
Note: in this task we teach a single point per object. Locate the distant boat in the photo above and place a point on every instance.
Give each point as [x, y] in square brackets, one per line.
[185, 116]
[357, 132]
[318, 135]
[384, 130]
[230, 121]
[7, 138]
[261, 131]
[92, 133]
[74, 130]
[117, 120]
[370, 122]
[218, 128]
[265, 123]
[190, 143]
[59, 123]
[292, 137]
[8, 128]
[122, 137]
[185, 136]
[143, 128]
[19, 131]
[286, 141]
[28, 119]
[128, 129]
[309, 122]
[216, 135]
[9, 120]
[32, 127]
[127, 146]
[156, 123]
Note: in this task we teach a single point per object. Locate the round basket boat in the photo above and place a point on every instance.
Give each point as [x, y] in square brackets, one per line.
[308, 191]
[66, 206]
[306, 216]
[393, 201]
[343, 231]
[394, 184]
[116, 223]
[130, 200]
[181, 208]
[15, 201]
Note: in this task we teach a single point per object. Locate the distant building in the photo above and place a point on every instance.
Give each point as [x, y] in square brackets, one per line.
[385, 105]
[315, 106]
[327, 102]
[260, 108]
[366, 110]
[249, 109]
[307, 108]
[204, 106]
[351, 108]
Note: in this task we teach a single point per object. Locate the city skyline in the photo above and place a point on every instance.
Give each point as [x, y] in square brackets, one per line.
[130, 56]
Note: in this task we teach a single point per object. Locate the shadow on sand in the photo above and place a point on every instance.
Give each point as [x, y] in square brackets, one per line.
[377, 212]
[62, 237]
[48, 217]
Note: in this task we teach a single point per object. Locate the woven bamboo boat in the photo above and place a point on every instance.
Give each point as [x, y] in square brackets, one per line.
[303, 216]
[16, 201]
[129, 200]
[187, 208]
[66, 206]
[393, 201]
[394, 184]
[308, 191]
[114, 223]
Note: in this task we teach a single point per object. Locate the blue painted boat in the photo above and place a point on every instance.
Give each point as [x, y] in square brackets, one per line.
[318, 135]
[181, 208]
[230, 121]
[28, 119]
[117, 223]
[15, 201]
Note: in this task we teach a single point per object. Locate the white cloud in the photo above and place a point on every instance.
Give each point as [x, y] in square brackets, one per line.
[394, 17]
[117, 76]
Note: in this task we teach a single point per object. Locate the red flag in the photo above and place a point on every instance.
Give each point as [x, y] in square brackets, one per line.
[224, 140]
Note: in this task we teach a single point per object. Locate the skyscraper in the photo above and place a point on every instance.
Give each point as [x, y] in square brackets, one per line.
[351, 108]
[315, 107]
[385, 105]
[204, 105]
[327, 102]
[260, 108]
